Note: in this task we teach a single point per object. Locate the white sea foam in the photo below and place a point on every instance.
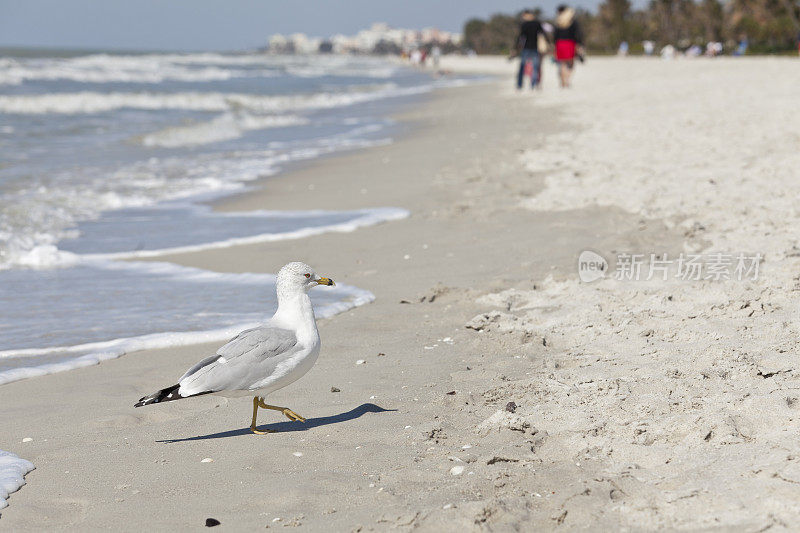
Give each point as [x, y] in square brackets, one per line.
[368, 217]
[97, 102]
[45, 256]
[202, 67]
[103, 68]
[33, 220]
[222, 128]
[315, 71]
[12, 475]
[301, 66]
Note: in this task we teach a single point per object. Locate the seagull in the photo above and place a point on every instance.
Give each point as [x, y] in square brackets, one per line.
[261, 360]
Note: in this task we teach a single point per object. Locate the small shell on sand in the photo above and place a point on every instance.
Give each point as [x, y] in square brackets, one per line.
[298, 454]
[207, 460]
[360, 362]
[457, 470]
[500, 420]
[27, 439]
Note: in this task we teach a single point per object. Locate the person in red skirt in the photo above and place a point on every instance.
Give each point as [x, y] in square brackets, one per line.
[568, 42]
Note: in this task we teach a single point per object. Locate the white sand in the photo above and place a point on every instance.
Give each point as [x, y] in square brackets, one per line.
[679, 395]
[639, 405]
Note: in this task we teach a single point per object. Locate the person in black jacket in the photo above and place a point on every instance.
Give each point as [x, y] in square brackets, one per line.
[569, 42]
[528, 45]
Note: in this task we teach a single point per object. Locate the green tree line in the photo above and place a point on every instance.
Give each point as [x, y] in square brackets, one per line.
[770, 26]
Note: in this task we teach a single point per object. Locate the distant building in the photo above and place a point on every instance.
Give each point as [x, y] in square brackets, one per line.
[280, 45]
[304, 44]
[379, 38]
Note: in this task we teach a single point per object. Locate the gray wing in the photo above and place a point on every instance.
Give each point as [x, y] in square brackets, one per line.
[246, 359]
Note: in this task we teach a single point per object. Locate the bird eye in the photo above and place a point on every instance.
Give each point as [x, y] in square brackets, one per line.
[308, 275]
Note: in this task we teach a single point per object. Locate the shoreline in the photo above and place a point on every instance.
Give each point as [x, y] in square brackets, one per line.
[634, 405]
[367, 178]
[444, 233]
[285, 191]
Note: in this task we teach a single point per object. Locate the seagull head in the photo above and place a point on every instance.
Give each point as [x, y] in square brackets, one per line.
[297, 276]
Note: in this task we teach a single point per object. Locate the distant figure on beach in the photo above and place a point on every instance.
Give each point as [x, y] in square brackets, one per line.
[549, 29]
[569, 43]
[648, 47]
[741, 48]
[532, 43]
[436, 54]
[693, 51]
[416, 57]
[713, 49]
[623, 49]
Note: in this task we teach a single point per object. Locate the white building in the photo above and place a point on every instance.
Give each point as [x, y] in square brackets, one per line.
[364, 41]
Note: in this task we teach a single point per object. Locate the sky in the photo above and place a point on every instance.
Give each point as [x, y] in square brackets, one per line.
[226, 24]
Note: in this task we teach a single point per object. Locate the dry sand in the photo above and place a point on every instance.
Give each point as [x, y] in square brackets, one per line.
[640, 405]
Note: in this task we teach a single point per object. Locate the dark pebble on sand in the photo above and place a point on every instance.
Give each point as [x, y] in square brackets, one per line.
[211, 522]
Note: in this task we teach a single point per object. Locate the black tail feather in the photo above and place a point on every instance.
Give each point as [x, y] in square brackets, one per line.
[166, 395]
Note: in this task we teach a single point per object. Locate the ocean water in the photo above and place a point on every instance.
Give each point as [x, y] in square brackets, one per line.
[109, 157]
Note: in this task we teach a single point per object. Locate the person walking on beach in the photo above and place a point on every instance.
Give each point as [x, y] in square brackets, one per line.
[436, 55]
[569, 43]
[532, 41]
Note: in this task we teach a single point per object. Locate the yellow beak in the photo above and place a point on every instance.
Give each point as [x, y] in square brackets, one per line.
[325, 281]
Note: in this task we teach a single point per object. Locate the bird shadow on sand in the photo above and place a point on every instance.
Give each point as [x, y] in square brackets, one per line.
[288, 427]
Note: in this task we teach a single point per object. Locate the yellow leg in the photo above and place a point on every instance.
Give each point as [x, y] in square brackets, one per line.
[256, 402]
[291, 415]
